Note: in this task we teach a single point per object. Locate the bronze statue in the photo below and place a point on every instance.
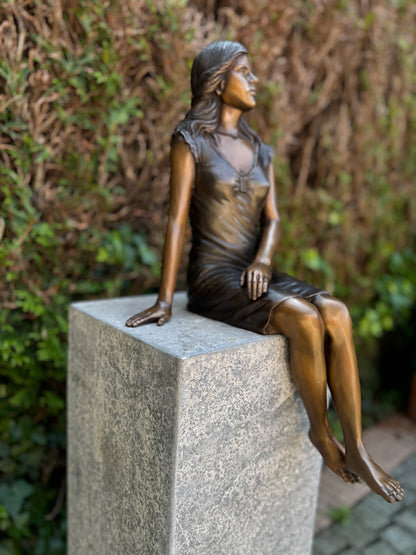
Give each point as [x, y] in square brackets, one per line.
[222, 176]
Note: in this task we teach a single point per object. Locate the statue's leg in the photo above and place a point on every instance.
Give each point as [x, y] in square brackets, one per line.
[302, 324]
[344, 384]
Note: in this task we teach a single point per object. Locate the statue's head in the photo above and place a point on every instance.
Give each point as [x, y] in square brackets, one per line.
[211, 66]
[209, 74]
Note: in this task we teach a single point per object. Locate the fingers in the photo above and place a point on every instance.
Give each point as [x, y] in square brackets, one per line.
[162, 320]
[250, 285]
[257, 279]
[160, 313]
[140, 319]
[257, 285]
[259, 291]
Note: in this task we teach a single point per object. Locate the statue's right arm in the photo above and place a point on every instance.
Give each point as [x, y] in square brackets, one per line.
[181, 183]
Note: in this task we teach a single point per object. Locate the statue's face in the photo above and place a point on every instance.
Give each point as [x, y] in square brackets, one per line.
[240, 85]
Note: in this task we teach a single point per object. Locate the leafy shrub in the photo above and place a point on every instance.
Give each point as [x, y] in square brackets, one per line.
[90, 93]
[395, 296]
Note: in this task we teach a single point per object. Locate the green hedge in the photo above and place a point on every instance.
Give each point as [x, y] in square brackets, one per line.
[89, 95]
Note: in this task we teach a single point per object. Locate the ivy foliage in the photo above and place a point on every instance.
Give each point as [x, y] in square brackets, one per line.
[90, 92]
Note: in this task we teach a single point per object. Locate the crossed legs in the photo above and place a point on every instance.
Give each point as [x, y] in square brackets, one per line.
[322, 353]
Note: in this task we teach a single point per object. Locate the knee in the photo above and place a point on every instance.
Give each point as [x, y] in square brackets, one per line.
[336, 318]
[309, 322]
[300, 319]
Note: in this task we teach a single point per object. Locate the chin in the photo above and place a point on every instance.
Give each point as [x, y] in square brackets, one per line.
[252, 101]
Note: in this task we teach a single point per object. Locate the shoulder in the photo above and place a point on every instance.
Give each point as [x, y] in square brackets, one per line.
[182, 160]
[266, 153]
[182, 135]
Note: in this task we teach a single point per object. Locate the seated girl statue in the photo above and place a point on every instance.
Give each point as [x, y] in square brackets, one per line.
[222, 178]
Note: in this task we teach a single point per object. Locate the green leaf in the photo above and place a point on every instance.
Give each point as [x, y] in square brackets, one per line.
[341, 515]
[13, 497]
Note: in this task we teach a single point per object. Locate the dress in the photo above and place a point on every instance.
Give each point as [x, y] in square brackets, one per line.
[226, 210]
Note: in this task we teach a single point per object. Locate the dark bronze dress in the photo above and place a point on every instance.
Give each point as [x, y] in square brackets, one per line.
[226, 212]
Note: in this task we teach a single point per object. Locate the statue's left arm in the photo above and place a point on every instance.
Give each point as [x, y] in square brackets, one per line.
[258, 274]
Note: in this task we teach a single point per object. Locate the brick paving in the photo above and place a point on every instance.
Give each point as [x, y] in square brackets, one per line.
[374, 527]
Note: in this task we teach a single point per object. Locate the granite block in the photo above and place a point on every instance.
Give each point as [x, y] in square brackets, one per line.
[188, 438]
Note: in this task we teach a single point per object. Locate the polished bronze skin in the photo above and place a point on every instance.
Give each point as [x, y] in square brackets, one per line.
[319, 330]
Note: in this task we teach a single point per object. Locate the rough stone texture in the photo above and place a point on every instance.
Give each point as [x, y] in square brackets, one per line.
[184, 439]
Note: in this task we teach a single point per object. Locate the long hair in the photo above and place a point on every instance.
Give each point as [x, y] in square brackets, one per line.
[209, 69]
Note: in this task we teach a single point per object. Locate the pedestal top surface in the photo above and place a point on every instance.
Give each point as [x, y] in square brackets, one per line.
[184, 336]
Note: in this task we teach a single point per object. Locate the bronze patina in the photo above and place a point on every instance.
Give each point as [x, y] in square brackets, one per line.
[222, 178]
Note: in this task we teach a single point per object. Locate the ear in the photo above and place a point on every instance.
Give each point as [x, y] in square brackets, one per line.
[220, 89]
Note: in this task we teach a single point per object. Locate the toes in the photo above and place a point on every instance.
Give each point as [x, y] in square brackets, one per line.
[346, 475]
[399, 493]
[387, 493]
[352, 478]
[393, 491]
[341, 473]
[396, 488]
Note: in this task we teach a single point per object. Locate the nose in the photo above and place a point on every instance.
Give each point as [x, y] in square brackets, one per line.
[253, 78]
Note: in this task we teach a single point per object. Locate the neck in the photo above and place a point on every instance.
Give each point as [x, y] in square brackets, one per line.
[230, 118]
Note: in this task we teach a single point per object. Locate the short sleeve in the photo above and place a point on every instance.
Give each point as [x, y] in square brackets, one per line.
[189, 140]
[267, 154]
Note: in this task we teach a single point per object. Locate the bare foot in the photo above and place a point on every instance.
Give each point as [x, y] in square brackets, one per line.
[351, 477]
[333, 453]
[359, 462]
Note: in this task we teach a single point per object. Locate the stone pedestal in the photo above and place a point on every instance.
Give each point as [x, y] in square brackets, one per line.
[184, 439]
